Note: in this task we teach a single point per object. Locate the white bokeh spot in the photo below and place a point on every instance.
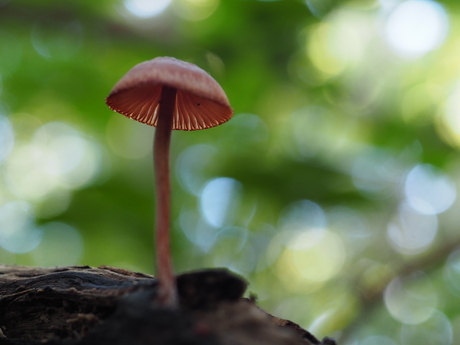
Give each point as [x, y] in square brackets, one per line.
[416, 27]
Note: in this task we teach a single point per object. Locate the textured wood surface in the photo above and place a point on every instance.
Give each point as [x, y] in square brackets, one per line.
[83, 305]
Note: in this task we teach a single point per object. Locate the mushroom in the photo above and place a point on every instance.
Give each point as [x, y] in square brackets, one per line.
[168, 94]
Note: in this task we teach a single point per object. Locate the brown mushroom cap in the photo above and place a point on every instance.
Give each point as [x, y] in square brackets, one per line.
[200, 102]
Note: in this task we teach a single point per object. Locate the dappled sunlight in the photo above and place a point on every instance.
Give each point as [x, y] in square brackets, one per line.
[197, 230]
[320, 54]
[449, 120]
[315, 131]
[219, 201]
[18, 233]
[415, 27]
[412, 232]
[309, 132]
[43, 164]
[339, 42]
[319, 7]
[234, 250]
[299, 218]
[333, 317]
[245, 131]
[191, 167]
[411, 300]
[311, 259]
[58, 156]
[428, 190]
[436, 330]
[27, 175]
[420, 102]
[195, 10]
[377, 340]
[376, 173]
[146, 8]
[352, 227]
[6, 138]
[333, 189]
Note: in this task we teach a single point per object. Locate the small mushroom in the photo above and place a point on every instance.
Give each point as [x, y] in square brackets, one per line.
[168, 94]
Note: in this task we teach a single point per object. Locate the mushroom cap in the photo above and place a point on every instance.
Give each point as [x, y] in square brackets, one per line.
[200, 101]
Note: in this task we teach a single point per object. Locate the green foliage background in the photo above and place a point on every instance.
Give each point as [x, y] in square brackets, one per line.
[329, 119]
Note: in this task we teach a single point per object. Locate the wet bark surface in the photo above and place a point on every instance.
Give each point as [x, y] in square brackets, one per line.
[80, 305]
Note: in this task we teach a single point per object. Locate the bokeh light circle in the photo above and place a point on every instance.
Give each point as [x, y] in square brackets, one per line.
[17, 229]
[411, 299]
[437, 330]
[58, 156]
[6, 138]
[146, 8]
[300, 218]
[377, 340]
[220, 200]
[428, 190]
[192, 165]
[412, 232]
[416, 27]
[306, 268]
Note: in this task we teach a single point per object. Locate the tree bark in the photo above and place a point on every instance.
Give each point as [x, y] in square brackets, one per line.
[80, 305]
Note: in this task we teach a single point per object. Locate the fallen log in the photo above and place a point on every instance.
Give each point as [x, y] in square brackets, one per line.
[80, 305]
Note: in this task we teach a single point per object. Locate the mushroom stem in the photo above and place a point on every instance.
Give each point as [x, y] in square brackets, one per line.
[167, 292]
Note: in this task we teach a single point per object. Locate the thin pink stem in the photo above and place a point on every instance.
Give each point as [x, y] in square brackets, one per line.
[167, 291]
